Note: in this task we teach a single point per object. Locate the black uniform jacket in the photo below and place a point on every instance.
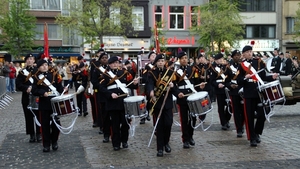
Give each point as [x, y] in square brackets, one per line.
[250, 86]
[203, 70]
[23, 82]
[80, 79]
[189, 72]
[124, 77]
[96, 77]
[155, 76]
[39, 88]
[233, 75]
[216, 77]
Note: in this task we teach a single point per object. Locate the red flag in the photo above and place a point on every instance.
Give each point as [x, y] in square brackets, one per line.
[156, 40]
[46, 42]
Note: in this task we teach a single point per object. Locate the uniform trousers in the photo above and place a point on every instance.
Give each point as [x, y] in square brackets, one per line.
[223, 115]
[29, 121]
[120, 128]
[186, 123]
[50, 132]
[163, 128]
[238, 112]
[253, 127]
[93, 107]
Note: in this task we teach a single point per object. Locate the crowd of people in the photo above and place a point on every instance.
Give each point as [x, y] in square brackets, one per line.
[109, 80]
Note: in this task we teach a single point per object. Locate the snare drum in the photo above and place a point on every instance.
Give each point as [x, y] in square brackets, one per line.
[199, 103]
[175, 108]
[272, 92]
[135, 106]
[64, 105]
[33, 102]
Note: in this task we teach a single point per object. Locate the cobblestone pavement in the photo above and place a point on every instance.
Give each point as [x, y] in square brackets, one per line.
[214, 148]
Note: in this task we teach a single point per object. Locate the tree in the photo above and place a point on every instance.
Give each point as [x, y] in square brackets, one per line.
[18, 27]
[296, 30]
[219, 24]
[97, 18]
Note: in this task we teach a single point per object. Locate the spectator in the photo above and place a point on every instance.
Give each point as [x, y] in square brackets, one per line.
[64, 74]
[12, 77]
[1, 69]
[6, 72]
[18, 68]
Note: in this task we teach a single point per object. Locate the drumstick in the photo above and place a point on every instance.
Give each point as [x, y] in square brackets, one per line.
[132, 82]
[64, 90]
[200, 84]
[256, 73]
[122, 95]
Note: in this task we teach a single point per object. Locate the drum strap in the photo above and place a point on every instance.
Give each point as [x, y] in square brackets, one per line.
[122, 86]
[186, 80]
[246, 65]
[28, 74]
[234, 71]
[46, 81]
[220, 73]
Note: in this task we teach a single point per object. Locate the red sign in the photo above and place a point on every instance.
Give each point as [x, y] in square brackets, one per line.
[176, 41]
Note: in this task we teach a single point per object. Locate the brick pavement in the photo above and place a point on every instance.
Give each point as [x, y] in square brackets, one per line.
[83, 148]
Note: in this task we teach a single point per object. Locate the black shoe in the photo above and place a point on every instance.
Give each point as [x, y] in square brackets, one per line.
[167, 148]
[106, 140]
[101, 131]
[186, 145]
[54, 146]
[148, 118]
[258, 139]
[85, 114]
[95, 125]
[253, 143]
[38, 138]
[46, 149]
[142, 121]
[239, 134]
[224, 127]
[228, 125]
[124, 145]
[160, 153]
[79, 114]
[192, 142]
[32, 138]
[116, 148]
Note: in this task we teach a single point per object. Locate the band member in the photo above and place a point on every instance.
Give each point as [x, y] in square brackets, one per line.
[145, 75]
[249, 81]
[203, 69]
[162, 78]
[185, 81]
[91, 93]
[276, 61]
[103, 116]
[80, 77]
[47, 85]
[111, 86]
[24, 83]
[236, 100]
[295, 65]
[218, 80]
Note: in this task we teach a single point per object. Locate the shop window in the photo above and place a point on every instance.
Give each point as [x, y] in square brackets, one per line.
[176, 17]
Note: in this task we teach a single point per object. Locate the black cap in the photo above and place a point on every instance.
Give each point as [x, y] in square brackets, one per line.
[287, 51]
[246, 48]
[102, 54]
[27, 56]
[276, 49]
[295, 58]
[81, 65]
[113, 59]
[199, 56]
[79, 58]
[180, 54]
[235, 52]
[127, 62]
[150, 54]
[41, 62]
[281, 53]
[159, 56]
[100, 50]
[219, 56]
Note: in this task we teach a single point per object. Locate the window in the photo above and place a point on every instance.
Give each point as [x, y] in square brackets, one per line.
[45, 4]
[53, 32]
[195, 16]
[114, 15]
[290, 23]
[71, 37]
[138, 18]
[260, 31]
[70, 5]
[176, 17]
[158, 15]
[258, 5]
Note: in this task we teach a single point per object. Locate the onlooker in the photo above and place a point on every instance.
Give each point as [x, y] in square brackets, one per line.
[18, 68]
[6, 72]
[12, 77]
[1, 69]
[65, 75]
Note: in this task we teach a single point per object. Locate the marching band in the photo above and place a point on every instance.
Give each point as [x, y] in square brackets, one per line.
[238, 82]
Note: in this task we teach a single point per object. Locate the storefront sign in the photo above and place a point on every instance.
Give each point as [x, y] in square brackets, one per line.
[260, 45]
[116, 42]
[180, 41]
[57, 49]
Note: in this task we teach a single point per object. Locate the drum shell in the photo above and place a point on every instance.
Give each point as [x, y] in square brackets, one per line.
[64, 105]
[142, 89]
[272, 92]
[135, 108]
[200, 106]
[33, 102]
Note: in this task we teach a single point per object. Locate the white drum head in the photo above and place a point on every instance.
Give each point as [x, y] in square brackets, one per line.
[63, 97]
[197, 96]
[132, 99]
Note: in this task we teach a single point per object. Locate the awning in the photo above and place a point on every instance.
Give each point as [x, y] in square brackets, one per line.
[262, 53]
